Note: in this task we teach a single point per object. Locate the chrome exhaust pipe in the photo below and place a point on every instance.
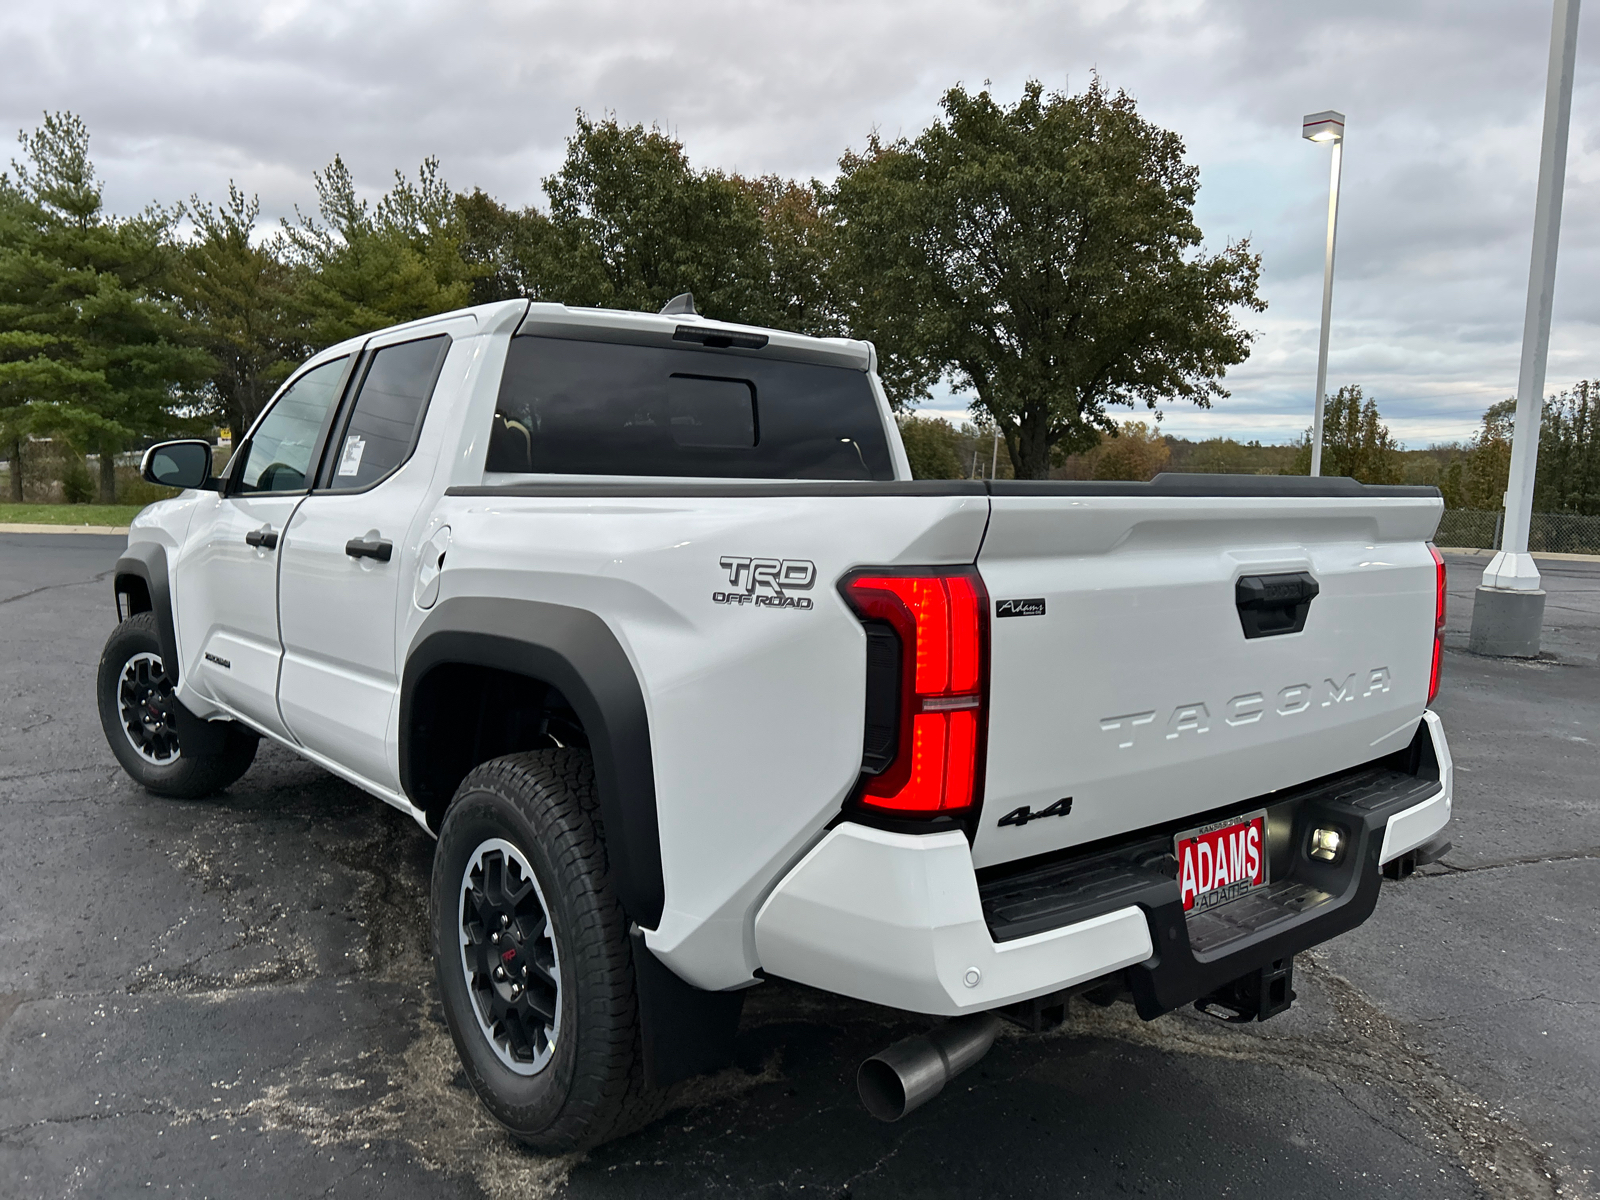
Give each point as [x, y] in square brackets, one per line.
[913, 1071]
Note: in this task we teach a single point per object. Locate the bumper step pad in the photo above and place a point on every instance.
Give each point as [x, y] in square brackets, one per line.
[1200, 954]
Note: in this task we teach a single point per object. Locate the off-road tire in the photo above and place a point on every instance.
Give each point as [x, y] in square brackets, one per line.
[184, 775]
[593, 1087]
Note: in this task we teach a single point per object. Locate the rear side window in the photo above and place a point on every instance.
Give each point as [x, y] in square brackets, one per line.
[600, 408]
[387, 414]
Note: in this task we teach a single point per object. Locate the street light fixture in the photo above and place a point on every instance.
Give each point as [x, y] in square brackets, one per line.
[1325, 127]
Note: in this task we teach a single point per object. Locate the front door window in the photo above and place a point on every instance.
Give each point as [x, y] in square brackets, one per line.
[280, 449]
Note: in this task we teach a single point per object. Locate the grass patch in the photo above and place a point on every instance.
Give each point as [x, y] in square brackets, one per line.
[68, 514]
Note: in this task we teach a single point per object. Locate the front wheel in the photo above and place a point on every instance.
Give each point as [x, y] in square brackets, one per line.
[139, 714]
[531, 946]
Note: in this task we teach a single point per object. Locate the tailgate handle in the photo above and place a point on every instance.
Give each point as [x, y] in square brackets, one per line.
[1272, 604]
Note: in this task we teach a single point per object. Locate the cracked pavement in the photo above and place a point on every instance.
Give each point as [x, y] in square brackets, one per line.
[233, 996]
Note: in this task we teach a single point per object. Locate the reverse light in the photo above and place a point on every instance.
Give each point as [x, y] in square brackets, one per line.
[927, 636]
[1438, 621]
[1325, 844]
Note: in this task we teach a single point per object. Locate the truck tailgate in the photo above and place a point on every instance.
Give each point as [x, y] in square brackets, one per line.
[1124, 679]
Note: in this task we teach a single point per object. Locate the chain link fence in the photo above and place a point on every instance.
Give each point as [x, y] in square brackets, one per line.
[1551, 533]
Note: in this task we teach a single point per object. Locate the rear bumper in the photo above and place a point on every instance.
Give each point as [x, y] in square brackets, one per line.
[904, 920]
[1421, 823]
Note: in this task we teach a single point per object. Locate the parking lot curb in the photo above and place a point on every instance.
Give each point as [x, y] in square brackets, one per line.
[101, 529]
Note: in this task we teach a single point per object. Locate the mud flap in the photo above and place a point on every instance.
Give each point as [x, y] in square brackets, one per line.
[686, 1030]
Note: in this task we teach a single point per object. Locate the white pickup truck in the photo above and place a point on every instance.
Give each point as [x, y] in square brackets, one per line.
[644, 618]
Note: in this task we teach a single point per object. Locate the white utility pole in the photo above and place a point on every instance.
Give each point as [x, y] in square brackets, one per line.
[1508, 609]
[1325, 127]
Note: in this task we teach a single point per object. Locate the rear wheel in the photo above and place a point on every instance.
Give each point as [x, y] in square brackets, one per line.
[531, 946]
[140, 714]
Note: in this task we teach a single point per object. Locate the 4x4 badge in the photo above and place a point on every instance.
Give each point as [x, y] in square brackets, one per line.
[1021, 816]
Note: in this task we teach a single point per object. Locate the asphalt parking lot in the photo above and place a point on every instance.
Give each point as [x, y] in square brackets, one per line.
[233, 996]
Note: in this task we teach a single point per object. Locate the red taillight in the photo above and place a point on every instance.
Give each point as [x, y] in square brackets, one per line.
[941, 621]
[1438, 621]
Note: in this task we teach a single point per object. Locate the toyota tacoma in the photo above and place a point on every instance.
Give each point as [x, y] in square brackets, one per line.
[643, 617]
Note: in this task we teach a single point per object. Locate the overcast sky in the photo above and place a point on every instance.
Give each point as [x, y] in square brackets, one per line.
[1444, 101]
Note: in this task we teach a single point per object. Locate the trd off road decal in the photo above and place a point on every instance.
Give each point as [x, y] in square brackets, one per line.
[766, 582]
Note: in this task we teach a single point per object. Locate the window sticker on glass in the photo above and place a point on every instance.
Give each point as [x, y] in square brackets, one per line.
[350, 460]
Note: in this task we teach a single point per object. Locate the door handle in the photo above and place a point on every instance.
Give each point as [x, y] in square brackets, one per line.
[262, 539]
[375, 548]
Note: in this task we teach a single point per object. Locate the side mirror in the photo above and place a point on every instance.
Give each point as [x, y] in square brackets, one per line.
[185, 464]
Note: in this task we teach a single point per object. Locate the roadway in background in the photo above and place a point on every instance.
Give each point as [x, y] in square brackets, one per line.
[233, 996]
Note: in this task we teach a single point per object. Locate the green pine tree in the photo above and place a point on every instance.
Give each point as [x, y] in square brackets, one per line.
[238, 294]
[93, 350]
[362, 266]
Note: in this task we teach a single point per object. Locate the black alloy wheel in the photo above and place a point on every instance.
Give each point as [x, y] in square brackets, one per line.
[509, 957]
[147, 709]
[142, 718]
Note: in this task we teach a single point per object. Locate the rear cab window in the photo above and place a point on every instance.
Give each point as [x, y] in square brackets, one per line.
[391, 400]
[574, 407]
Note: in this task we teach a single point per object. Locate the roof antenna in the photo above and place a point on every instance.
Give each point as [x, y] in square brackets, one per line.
[679, 306]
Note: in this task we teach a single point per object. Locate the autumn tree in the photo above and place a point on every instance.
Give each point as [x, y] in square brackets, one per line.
[1136, 452]
[930, 444]
[1044, 256]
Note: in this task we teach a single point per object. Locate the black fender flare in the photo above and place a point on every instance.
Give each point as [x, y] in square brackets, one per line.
[575, 652]
[147, 561]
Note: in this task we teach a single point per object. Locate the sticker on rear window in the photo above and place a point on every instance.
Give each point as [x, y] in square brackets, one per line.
[350, 460]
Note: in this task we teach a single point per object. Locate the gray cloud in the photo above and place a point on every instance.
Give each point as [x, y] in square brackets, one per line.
[1444, 101]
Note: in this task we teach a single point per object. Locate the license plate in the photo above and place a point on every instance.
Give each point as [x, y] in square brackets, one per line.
[1222, 861]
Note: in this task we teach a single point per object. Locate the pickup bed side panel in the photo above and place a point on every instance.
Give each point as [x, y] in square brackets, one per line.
[1130, 685]
[753, 685]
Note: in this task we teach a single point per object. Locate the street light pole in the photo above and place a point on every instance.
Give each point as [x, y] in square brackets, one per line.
[1508, 610]
[1325, 127]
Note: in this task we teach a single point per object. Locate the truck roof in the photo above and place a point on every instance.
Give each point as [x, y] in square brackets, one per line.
[607, 324]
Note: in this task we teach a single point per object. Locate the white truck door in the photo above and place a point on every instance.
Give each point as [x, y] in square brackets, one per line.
[348, 562]
[227, 577]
